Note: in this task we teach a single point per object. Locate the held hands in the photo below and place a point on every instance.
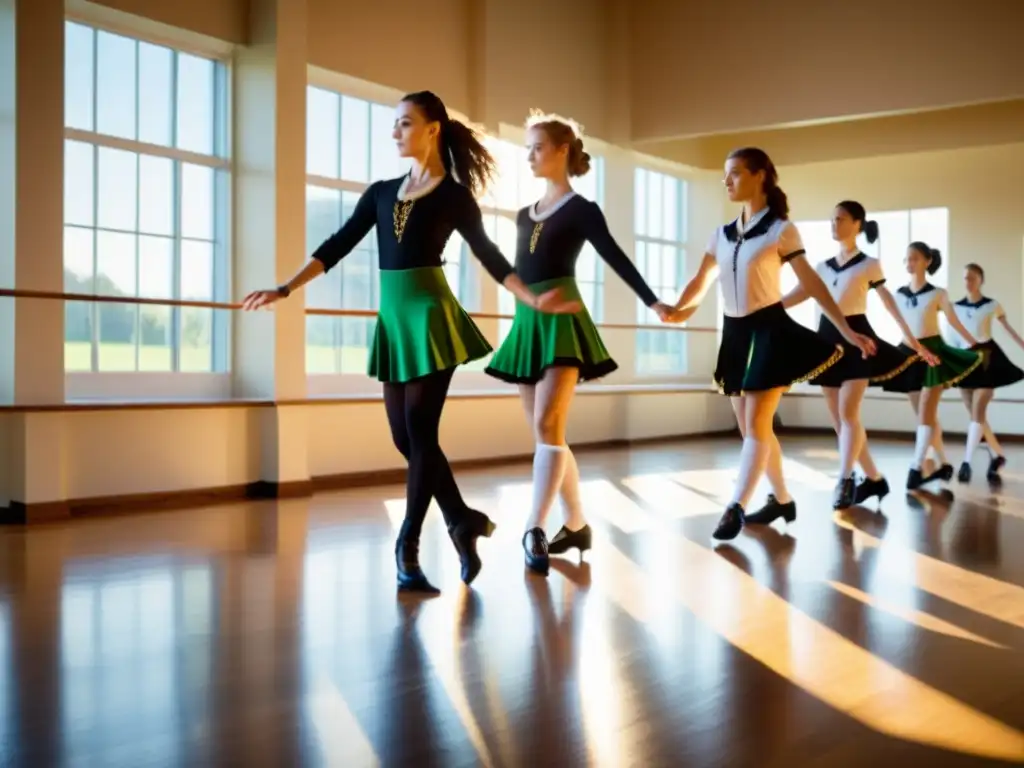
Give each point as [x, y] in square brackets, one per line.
[865, 344]
[260, 299]
[926, 354]
[669, 314]
[554, 303]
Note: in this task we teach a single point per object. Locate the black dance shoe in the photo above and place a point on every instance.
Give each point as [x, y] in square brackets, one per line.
[844, 494]
[868, 488]
[996, 463]
[914, 480]
[964, 475]
[537, 552]
[730, 524]
[945, 472]
[407, 559]
[772, 511]
[464, 534]
[565, 540]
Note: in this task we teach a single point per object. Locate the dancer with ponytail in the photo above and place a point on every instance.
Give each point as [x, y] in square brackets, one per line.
[920, 303]
[977, 312]
[422, 332]
[849, 276]
[763, 350]
[546, 355]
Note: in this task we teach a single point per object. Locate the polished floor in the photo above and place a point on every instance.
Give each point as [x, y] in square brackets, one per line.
[270, 633]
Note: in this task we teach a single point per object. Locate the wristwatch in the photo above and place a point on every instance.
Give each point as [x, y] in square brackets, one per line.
[284, 291]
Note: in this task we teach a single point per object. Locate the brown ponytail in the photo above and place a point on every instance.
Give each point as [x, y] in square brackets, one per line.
[462, 152]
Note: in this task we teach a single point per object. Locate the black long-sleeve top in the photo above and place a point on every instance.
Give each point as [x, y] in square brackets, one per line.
[428, 224]
[549, 248]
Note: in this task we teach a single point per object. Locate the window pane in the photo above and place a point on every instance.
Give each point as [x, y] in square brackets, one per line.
[383, 157]
[321, 343]
[196, 339]
[117, 336]
[78, 183]
[155, 353]
[79, 72]
[78, 335]
[355, 139]
[354, 339]
[156, 195]
[115, 264]
[78, 260]
[586, 265]
[323, 216]
[655, 201]
[323, 132]
[195, 104]
[640, 201]
[196, 201]
[156, 267]
[155, 94]
[115, 84]
[118, 172]
[196, 270]
[670, 209]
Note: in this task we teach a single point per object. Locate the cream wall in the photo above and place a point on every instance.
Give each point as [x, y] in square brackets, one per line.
[985, 200]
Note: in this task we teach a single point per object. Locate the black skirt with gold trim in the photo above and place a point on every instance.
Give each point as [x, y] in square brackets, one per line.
[888, 360]
[768, 349]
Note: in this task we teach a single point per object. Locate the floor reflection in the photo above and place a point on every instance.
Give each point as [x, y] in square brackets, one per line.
[270, 633]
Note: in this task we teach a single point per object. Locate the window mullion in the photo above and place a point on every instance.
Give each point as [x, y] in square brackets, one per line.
[175, 331]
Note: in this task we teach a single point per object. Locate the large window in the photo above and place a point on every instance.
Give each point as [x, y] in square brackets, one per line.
[897, 229]
[516, 188]
[659, 224]
[146, 184]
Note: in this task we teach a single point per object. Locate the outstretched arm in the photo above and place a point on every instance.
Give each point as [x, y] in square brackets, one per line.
[470, 224]
[954, 321]
[1009, 329]
[595, 230]
[795, 297]
[811, 282]
[695, 291]
[328, 254]
[908, 337]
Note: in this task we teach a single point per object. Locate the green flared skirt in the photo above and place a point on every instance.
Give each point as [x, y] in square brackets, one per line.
[538, 341]
[954, 366]
[421, 327]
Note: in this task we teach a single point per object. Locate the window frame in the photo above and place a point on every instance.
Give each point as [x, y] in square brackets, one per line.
[171, 385]
[642, 315]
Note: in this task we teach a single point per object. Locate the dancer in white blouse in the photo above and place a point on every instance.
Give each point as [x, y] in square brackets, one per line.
[763, 350]
[849, 276]
[920, 303]
[976, 313]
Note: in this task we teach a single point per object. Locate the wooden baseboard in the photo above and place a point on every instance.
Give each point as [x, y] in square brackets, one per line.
[18, 513]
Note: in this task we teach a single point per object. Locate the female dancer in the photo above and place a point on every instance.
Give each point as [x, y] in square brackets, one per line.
[849, 276]
[976, 313]
[920, 303]
[422, 332]
[763, 351]
[546, 355]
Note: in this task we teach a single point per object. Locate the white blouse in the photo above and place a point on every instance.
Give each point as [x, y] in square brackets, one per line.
[750, 261]
[849, 283]
[921, 310]
[977, 319]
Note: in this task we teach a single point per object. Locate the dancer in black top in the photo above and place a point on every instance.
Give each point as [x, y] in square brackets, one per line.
[546, 355]
[763, 350]
[422, 332]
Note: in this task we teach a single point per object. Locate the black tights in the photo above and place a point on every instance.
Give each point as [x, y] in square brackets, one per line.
[414, 414]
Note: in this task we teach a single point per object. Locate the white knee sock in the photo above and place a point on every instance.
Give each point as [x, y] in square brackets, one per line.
[990, 440]
[570, 494]
[974, 432]
[548, 470]
[924, 439]
[753, 459]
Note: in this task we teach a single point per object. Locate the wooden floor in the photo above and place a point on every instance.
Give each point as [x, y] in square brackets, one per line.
[270, 633]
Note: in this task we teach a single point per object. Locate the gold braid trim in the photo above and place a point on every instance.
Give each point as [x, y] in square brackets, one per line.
[914, 358]
[836, 357]
[964, 374]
